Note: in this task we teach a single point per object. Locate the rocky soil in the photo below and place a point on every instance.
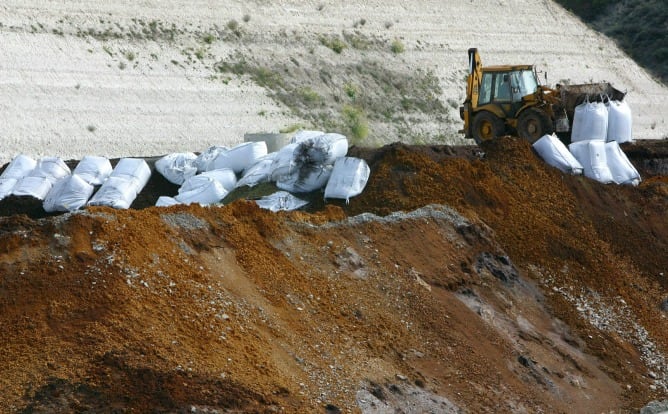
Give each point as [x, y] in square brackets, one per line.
[463, 279]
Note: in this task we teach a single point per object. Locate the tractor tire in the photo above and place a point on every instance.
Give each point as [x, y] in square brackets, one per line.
[487, 126]
[533, 124]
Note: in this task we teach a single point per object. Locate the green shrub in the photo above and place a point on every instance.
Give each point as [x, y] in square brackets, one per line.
[356, 122]
[397, 47]
[350, 90]
[208, 38]
[309, 96]
[334, 43]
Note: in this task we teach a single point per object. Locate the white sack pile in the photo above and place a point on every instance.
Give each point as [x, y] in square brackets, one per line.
[39, 181]
[609, 121]
[598, 129]
[306, 164]
[605, 162]
[126, 181]
[73, 192]
[18, 168]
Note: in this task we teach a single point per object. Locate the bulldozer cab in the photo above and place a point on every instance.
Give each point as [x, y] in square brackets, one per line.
[506, 87]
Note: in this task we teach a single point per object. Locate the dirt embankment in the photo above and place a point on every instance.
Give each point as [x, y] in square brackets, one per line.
[484, 281]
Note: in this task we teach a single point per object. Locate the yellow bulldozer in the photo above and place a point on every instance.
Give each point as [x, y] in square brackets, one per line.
[509, 100]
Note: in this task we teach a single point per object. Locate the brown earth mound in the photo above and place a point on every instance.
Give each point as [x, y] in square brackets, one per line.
[484, 281]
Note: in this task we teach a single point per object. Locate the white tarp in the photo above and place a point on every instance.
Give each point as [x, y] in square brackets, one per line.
[620, 122]
[554, 152]
[68, 194]
[591, 154]
[590, 122]
[239, 157]
[19, 167]
[305, 178]
[134, 169]
[281, 201]
[201, 189]
[623, 172]
[118, 192]
[348, 179]
[93, 170]
[177, 167]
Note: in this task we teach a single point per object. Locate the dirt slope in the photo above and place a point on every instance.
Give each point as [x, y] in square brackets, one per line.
[462, 279]
[128, 78]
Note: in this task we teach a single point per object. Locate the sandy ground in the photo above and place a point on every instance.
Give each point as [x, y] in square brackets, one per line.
[70, 88]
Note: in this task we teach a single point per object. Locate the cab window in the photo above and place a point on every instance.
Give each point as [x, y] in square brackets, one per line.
[502, 87]
[485, 94]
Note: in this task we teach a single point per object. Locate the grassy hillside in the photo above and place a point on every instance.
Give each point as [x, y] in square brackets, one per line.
[638, 26]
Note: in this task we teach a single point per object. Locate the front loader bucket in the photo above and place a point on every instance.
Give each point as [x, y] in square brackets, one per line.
[574, 95]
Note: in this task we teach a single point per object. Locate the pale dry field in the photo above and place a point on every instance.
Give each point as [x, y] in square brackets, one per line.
[69, 87]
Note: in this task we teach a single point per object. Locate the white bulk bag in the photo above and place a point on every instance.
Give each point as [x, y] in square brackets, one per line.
[177, 167]
[323, 149]
[225, 176]
[620, 121]
[623, 172]
[204, 159]
[37, 187]
[590, 122]
[118, 192]
[134, 169]
[203, 190]
[348, 179]
[260, 172]
[554, 152]
[305, 178]
[284, 162]
[304, 135]
[52, 168]
[19, 167]
[6, 186]
[239, 157]
[93, 170]
[166, 201]
[591, 154]
[68, 194]
[280, 201]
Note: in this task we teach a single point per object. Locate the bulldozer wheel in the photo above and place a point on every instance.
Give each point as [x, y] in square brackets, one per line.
[533, 124]
[486, 126]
